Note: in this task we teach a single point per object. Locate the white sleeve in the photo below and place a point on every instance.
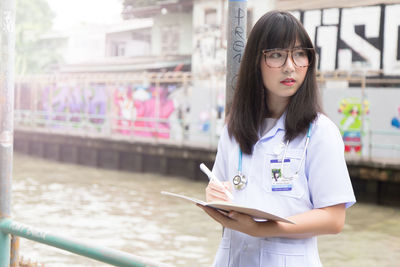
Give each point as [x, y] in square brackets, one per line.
[326, 170]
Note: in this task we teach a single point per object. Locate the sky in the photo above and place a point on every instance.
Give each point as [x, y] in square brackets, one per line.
[72, 13]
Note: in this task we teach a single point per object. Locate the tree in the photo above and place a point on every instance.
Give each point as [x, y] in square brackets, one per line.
[34, 55]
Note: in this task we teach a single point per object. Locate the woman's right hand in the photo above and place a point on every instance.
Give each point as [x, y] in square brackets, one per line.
[214, 192]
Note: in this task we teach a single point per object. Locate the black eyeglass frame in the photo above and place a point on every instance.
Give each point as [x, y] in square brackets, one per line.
[311, 55]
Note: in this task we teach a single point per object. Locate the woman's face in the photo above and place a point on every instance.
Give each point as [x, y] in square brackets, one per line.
[282, 82]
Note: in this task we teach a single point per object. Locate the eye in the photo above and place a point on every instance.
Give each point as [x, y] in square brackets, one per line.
[275, 54]
[300, 53]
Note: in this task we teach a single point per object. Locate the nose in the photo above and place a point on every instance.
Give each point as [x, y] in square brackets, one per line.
[289, 64]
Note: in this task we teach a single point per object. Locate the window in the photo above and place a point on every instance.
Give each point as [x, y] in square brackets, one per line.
[118, 49]
[170, 39]
[210, 16]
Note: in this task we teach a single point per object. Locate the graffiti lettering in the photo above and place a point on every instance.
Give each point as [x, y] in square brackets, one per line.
[237, 57]
[239, 43]
[358, 38]
[238, 46]
[240, 16]
[209, 55]
[239, 32]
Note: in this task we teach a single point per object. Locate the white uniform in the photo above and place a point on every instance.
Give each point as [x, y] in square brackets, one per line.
[323, 181]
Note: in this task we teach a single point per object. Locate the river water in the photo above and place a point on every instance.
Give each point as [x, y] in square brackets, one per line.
[126, 211]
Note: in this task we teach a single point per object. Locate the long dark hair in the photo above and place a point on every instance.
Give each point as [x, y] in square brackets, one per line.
[276, 29]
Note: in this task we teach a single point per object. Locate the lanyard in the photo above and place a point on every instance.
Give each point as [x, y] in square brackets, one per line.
[240, 161]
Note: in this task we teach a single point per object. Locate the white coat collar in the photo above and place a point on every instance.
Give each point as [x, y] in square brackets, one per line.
[280, 125]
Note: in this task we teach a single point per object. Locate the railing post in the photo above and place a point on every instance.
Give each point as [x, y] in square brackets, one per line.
[14, 260]
[370, 144]
[7, 17]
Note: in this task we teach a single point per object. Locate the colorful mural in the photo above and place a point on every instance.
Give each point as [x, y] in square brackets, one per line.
[69, 103]
[396, 119]
[138, 110]
[352, 110]
[134, 109]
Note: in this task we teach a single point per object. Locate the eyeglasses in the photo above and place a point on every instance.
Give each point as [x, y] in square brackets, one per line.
[276, 57]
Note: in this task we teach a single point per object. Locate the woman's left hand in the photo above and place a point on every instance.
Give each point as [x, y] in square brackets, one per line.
[234, 220]
[327, 220]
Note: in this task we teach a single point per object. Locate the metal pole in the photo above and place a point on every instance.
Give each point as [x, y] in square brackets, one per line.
[7, 41]
[236, 31]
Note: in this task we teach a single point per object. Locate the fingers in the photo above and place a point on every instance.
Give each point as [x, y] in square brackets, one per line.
[215, 195]
[228, 186]
[215, 192]
[235, 220]
[215, 214]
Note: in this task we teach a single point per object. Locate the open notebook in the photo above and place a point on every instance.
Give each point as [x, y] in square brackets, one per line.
[226, 206]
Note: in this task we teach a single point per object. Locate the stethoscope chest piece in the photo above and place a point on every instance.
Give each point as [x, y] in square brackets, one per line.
[239, 181]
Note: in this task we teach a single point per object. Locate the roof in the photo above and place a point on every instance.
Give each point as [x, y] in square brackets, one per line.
[129, 64]
[149, 8]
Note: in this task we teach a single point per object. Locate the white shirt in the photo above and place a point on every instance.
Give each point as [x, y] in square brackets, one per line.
[323, 181]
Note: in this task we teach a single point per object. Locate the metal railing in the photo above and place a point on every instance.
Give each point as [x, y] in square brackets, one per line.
[103, 254]
[171, 131]
[114, 127]
[393, 146]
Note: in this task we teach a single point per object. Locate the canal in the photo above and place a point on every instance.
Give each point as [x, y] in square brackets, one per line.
[125, 211]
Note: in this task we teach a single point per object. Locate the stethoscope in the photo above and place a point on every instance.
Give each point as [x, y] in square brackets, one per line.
[240, 180]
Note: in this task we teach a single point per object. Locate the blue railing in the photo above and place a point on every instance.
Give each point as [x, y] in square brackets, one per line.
[107, 255]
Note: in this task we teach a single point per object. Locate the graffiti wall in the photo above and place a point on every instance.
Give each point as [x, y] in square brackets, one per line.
[126, 109]
[365, 119]
[358, 38]
[143, 111]
[396, 119]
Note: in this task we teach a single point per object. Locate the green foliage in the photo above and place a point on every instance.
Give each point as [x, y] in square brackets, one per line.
[33, 18]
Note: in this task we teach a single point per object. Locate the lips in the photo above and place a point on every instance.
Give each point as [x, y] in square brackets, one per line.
[288, 81]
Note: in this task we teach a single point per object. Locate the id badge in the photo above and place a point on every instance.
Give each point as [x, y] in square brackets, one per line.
[281, 181]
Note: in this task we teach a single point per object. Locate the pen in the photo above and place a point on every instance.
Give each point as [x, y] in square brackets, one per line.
[211, 176]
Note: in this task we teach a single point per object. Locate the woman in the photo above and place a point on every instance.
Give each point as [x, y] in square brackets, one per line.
[276, 127]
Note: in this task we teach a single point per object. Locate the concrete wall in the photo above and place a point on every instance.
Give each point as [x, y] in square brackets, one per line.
[85, 46]
[116, 154]
[132, 47]
[183, 21]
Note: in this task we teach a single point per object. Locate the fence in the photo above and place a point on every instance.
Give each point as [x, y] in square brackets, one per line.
[151, 107]
[154, 106]
[106, 255]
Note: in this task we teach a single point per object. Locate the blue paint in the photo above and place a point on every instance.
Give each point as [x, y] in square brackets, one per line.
[5, 242]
